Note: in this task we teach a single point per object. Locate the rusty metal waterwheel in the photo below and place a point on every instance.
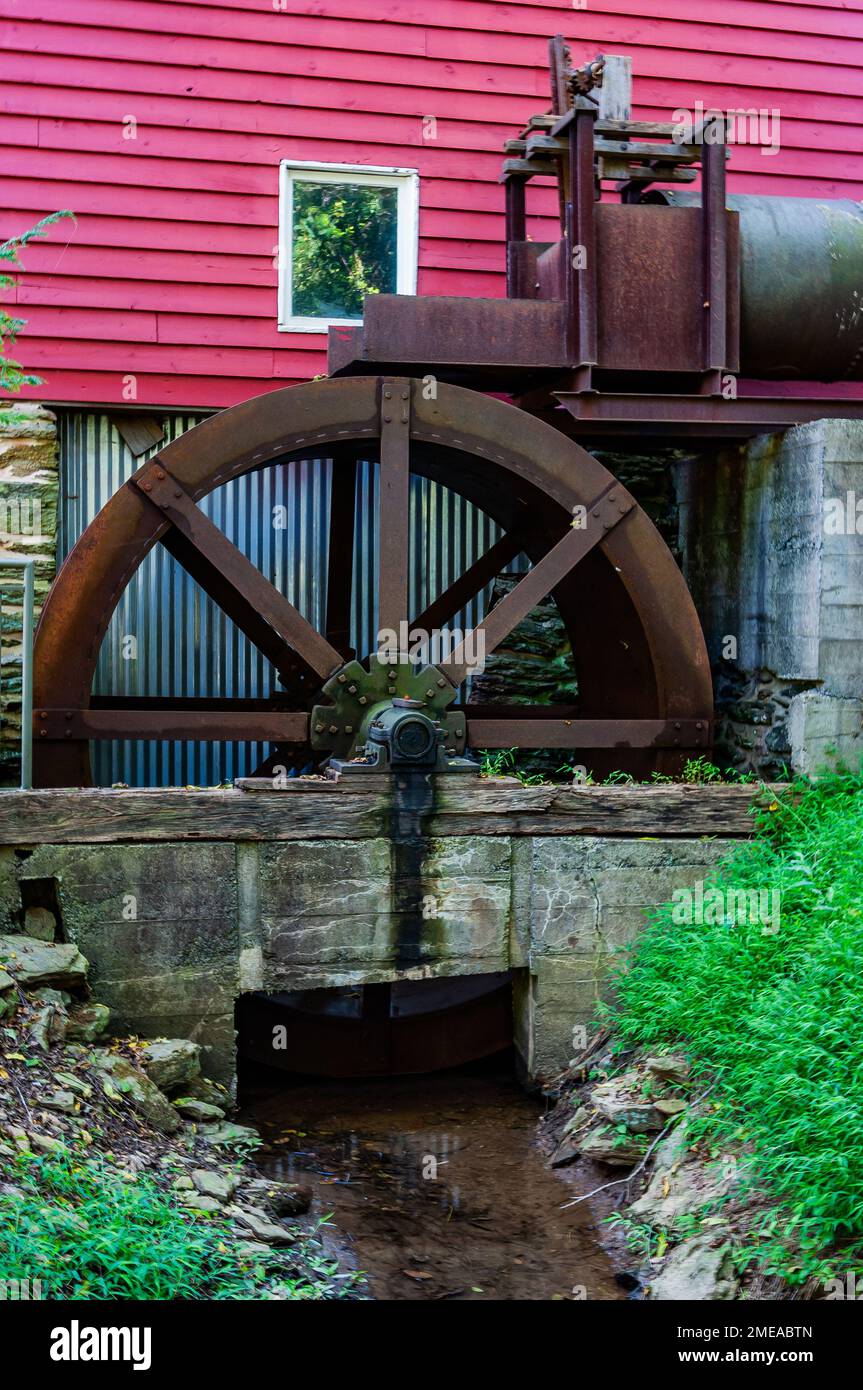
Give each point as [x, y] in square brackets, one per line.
[645, 697]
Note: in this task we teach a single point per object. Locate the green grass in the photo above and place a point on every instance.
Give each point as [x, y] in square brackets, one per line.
[503, 762]
[82, 1230]
[775, 1019]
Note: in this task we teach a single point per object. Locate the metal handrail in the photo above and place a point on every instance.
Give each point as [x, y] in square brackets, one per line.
[28, 567]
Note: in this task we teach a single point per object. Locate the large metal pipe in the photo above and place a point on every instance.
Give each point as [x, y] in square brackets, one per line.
[801, 285]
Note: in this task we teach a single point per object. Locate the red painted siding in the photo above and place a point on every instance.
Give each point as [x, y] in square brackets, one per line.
[169, 274]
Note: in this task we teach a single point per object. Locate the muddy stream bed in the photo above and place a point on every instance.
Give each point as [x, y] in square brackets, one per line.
[437, 1186]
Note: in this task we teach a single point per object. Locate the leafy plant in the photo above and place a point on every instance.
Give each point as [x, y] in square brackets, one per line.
[344, 247]
[12, 374]
[639, 1236]
[86, 1231]
[775, 1017]
[502, 763]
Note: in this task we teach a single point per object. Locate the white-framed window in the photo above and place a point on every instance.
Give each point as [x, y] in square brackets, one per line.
[345, 231]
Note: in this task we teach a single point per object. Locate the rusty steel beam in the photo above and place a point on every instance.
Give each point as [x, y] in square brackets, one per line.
[588, 733]
[516, 227]
[175, 703]
[237, 573]
[340, 553]
[501, 710]
[394, 504]
[282, 726]
[714, 250]
[503, 334]
[614, 412]
[581, 241]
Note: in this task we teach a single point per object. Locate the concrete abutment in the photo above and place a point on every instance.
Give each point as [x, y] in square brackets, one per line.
[546, 882]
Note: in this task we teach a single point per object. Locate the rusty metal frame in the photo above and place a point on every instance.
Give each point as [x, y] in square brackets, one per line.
[580, 332]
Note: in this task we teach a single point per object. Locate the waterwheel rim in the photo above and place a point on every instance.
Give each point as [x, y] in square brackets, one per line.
[639, 648]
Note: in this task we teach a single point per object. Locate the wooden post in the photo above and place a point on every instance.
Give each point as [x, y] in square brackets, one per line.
[615, 94]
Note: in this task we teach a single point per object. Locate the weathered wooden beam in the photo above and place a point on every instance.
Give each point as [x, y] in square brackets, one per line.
[315, 808]
[615, 94]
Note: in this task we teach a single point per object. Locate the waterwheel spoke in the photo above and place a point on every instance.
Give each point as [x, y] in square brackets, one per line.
[442, 609]
[232, 603]
[236, 585]
[533, 732]
[394, 506]
[340, 556]
[182, 720]
[605, 512]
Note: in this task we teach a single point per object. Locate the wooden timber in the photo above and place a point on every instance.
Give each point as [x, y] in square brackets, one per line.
[362, 808]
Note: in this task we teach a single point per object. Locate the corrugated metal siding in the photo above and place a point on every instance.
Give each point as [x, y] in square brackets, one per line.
[183, 644]
[169, 274]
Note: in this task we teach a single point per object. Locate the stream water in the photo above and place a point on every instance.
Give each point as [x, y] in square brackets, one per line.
[436, 1185]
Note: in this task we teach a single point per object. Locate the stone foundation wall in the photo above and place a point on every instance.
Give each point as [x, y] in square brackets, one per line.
[28, 527]
[175, 931]
[772, 545]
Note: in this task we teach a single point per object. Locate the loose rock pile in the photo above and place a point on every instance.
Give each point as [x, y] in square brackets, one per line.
[145, 1105]
[637, 1120]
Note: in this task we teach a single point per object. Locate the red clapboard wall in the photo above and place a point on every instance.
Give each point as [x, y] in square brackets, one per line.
[169, 274]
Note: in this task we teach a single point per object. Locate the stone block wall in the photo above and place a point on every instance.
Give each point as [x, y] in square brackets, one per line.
[772, 546]
[28, 527]
[175, 932]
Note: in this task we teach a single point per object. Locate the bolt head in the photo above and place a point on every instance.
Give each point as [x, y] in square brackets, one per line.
[334, 728]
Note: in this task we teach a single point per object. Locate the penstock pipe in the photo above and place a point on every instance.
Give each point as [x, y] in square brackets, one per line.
[801, 284]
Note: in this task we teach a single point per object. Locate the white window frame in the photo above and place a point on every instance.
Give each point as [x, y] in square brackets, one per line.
[406, 181]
